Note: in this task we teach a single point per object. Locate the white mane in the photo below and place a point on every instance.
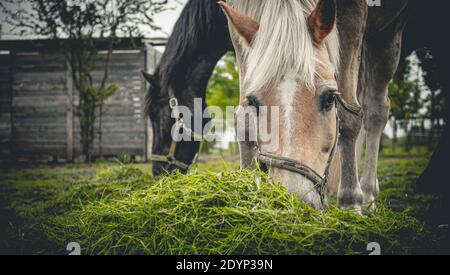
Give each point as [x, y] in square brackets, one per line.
[283, 45]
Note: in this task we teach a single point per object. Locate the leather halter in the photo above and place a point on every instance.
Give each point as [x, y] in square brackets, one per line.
[319, 181]
[270, 160]
[170, 158]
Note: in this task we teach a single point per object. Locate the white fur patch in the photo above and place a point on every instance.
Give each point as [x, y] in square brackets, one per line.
[288, 89]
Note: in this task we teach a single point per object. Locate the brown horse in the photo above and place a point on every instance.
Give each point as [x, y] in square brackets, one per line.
[288, 55]
[292, 55]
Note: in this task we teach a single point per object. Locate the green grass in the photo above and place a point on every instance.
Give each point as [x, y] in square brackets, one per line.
[217, 209]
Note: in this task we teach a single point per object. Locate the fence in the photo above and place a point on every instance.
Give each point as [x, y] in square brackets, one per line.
[36, 91]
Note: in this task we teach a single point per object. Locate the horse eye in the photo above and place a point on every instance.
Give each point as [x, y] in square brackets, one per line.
[328, 100]
[254, 102]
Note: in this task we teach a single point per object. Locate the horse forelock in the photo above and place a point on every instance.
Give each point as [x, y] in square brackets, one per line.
[283, 45]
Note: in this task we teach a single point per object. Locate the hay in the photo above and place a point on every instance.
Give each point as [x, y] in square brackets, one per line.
[125, 211]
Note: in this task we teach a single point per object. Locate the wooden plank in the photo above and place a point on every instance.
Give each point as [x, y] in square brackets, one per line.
[118, 77]
[41, 82]
[39, 121]
[116, 151]
[69, 115]
[152, 58]
[38, 57]
[37, 63]
[38, 83]
[5, 89]
[39, 149]
[5, 129]
[48, 138]
[40, 130]
[52, 90]
[39, 111]
[39, 76]
[120, 137]
[46, 45]
[39, 101]
[5, 105]
[5, 75]
[48, 68]
[36, 144]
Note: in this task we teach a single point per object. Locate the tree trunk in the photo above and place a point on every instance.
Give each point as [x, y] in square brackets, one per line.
[408, 136]
[435, 177]
[87, 123]
[432, 121]
[100, 130]
[395, 138]
[435, 180]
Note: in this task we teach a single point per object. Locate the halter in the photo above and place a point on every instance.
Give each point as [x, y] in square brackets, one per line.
[319, 181]
[170, 158]
[270, 160]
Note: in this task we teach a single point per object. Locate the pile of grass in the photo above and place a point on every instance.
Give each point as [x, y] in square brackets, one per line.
[125, 211]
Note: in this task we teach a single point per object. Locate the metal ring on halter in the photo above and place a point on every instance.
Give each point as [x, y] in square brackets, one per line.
[170, 158]
[320, 182]
[173, 102]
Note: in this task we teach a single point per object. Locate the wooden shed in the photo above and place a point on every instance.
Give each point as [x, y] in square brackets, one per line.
[36, 91]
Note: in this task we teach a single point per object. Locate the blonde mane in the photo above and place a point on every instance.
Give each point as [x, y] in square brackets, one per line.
[283, 45]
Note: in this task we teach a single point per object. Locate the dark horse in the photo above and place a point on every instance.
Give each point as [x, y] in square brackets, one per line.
[371, 45]
[199, 40]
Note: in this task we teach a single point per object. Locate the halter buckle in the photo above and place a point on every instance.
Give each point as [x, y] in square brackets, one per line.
[173, 102]
[170, 160]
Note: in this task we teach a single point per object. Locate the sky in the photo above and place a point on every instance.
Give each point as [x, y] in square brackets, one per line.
[167, 19]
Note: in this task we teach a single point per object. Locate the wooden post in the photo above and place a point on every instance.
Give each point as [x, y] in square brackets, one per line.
[69, 116]
[12, 150]
[7, 153]
[152, 57]
[149, 67]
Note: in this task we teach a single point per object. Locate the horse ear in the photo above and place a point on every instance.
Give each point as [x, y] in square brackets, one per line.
[322, 20]
[244, 25]
[150, 78]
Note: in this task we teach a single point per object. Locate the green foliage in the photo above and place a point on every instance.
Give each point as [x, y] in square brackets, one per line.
[223, 87]
[402, 96]
[124, 159]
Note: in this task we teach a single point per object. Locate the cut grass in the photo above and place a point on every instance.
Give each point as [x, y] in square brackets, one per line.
[115, 209]
[125, 211]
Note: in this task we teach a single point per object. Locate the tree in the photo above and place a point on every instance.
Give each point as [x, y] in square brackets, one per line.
[399, 94]
[403, 95]
[435, 107]
[223, 87]
[434, 178]
[78, 25]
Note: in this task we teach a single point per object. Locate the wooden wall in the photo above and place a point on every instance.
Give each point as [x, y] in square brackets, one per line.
[36, 116]
[5, 105]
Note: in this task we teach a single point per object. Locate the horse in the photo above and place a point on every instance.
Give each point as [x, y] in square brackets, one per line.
[198, 41]
[326, 64]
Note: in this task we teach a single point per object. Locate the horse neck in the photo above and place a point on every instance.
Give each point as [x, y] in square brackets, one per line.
[199, 39]
[200, 70]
